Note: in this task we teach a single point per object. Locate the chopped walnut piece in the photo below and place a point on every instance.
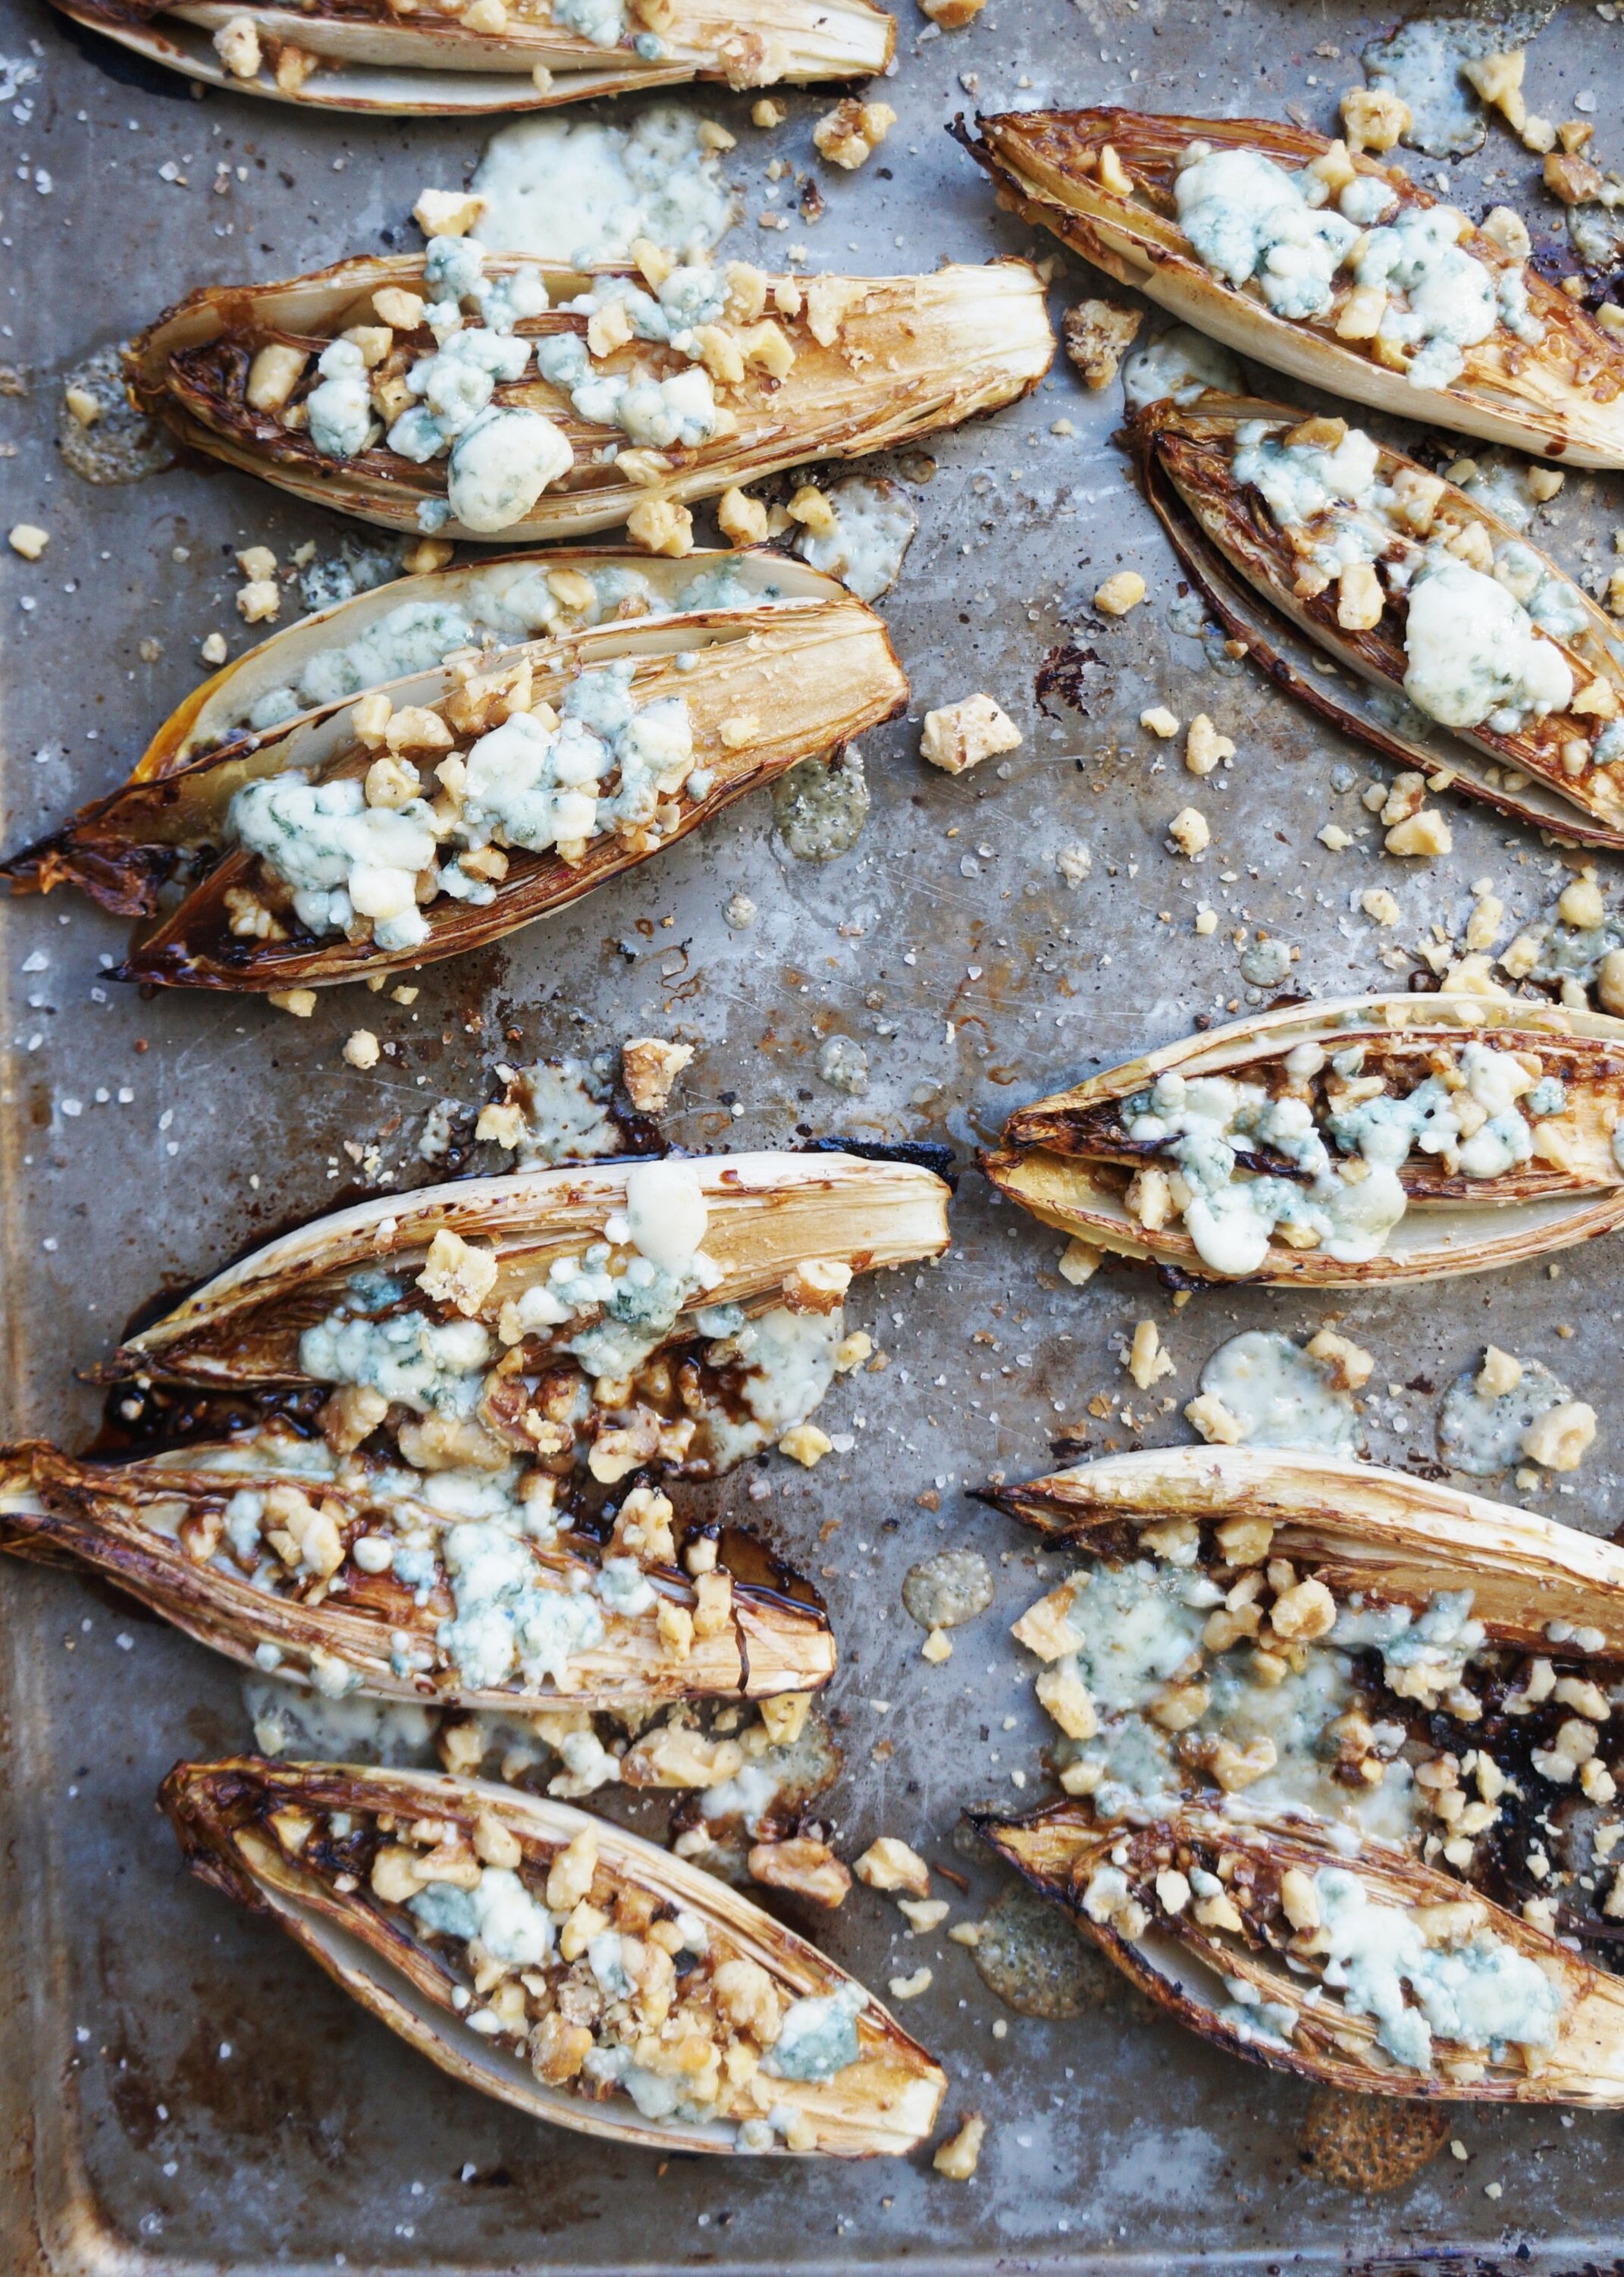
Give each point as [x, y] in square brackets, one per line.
[743, 518]
[958, 2157]
[952, 15]
[1148, 1363]
[273, 375]
[1043, 1628]
[455, 1273]
[649, 1068]
[712, 1603]
[889, 1865]
[850, 134]
[1557, 1439]
[1098, 335]
[1212, 1418]
[259, 602]
[294, 66]
[1063, 1693]
[362, 1048]
[806, 1444]
[1189, 831]
[237, 45]
[1350, 1368]
[1120, 593]
[960, 735]
[1204, 748]
[1575, 180]
[1424, 835]
[1373, 119]
[448, 213]
[817, 1285]
[803, 1868]
[659, 525]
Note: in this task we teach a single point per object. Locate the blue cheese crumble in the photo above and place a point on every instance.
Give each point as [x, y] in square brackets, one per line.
[538, 783]
[1252, 222]
[1205, 1124]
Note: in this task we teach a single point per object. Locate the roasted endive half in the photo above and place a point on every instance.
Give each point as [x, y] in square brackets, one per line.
[1322, 264]
[1293, 1690]
[455, 58]
[1379, 1139]
[399, 638]
[441, 813]
[685, 1313]
[459, 1587]
[1363, 1968]
[483, 395]
[1471, 655]
[565, 1966]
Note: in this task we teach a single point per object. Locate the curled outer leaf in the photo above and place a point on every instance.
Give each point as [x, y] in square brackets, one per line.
[1564, 397]
[265, 1834]
[153, 1528]
[122, 847]
[766, 688]
[1542, 773]
[375, 59]
[1261, 1989]
[1070, 1161]
[878, 361]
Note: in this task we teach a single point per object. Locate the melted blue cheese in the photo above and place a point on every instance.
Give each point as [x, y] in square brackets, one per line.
[1475, 654]
[1204, 1123]
[506, 1618]
[1423, 1658]
[818, 2036]
[1480, 1994]
[1137, 1624]
[606, 765]
[1473, 639]
[434, 1367]
[874, 523]
[1279, 1397]
[788, 1363]
[1248, 220]
[511, 1923]
[581, 191]
[1181, 364]
[637, 1300]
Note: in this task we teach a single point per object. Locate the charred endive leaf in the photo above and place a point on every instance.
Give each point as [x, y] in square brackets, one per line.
[451, 58]
[440, 814]
[1473, 658]
[1293, 1690]
[1379, 295]
[452, 1587]
[558, 1963]
[1380, 1138]
[791, 369]
[605, 602]
[1363, 1968]
[678, 1315]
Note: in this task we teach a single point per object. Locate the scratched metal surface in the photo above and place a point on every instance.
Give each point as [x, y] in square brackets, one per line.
[179, 2088]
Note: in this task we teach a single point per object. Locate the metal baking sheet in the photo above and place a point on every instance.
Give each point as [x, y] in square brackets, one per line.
[179, 2089]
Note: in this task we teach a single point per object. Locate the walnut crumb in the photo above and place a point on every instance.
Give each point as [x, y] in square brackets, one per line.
[960, 735]
[650, 1067]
